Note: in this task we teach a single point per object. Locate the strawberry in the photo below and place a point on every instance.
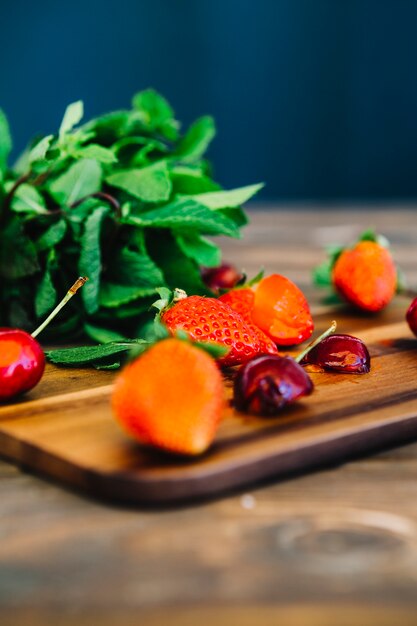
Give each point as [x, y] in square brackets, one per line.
[277, 307]
[148, 398]
[242, 301]
[210, 320]
[365, 275]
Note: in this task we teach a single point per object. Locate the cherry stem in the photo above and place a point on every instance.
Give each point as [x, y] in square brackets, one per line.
[71, 291]
[314, 343]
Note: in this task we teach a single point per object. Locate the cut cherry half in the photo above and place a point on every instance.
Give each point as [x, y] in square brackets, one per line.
[340, 353]
[266, 383]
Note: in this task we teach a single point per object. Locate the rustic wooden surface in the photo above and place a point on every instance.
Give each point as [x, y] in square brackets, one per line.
[337, 546]
[72, 436]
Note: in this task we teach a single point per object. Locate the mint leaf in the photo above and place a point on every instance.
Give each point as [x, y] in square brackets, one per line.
[27, 199]
[97, 152]
[196, 141]
[112, 295]
[90, 355]
[79, 180]
[72, 116]
[38, 152]
[157, 113]
[46, 295]
[178, 269]
[150, 184]
[131, 267]
[90, 259]
[232, 198]
[189, 181]
[102, 335]
[200, 249]
[18, 257]
[5, 141]
[185, 213]
[52, 236]
[237, 215]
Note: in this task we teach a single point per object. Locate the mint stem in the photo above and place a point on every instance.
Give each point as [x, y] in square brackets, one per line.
[71, 291]
[314, 343]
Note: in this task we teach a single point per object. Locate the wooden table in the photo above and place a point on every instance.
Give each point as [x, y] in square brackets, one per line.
[338, 546]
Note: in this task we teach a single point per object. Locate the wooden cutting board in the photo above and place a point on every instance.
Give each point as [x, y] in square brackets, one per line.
[64, 429]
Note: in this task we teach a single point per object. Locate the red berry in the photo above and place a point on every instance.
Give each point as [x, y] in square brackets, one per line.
[241, 301]
[22, 362]
[281, 310]
[366, 276]
[226, 276]
[209, 320]
[411, 316]
[265, 384]
[340, 353]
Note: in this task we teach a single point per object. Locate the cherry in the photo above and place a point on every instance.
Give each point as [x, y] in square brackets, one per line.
[340, 353]
[226, 276]
[22, 361]
[266, 383]
[411, 316]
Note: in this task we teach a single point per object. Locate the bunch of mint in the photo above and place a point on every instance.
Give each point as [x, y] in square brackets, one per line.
[125, 199]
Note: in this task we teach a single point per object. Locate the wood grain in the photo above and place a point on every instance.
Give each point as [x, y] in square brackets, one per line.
[330, 547]
[73, 437]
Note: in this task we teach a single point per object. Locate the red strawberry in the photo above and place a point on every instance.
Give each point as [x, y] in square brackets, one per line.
[208, 319]
[241, 301]
[366, 276]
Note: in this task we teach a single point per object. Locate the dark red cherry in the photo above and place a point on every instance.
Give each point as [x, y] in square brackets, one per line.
[411, 316]
[22, 362]
[226, 276]
[266, 383]
[340, 353]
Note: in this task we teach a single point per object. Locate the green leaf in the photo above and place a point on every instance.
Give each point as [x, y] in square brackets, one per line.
[102, 335]
[52, 236]
[203, 251]
[46, 295]
[90, 259]
[97, 152]
[157, 113]
[194, 144]
[224, 199]
[82, 179]
[371, 235]
[89, 355]
[113, 295]
[72, 116]
[179, 270]
[5, 141]
[215, 350]
[184, 213]
[322, 274]
[107, 366]
[236, 214]
[38, 152]
[150, 184]
[188, 181]
[18, 257]
[132, 267]
[27, 199]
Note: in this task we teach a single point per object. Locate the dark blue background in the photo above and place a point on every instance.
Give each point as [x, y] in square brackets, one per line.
[318, 98]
